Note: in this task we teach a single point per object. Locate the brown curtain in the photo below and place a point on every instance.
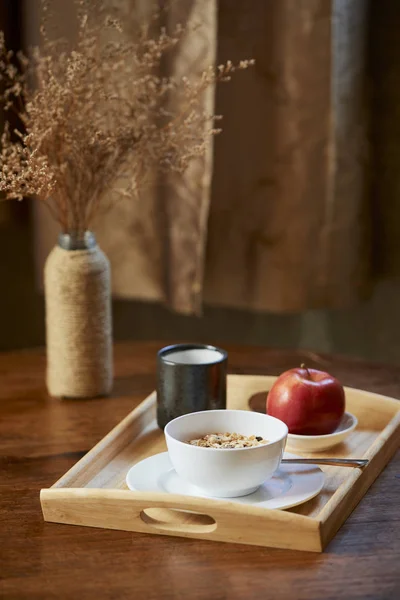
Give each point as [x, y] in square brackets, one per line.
[289, 221]
[287, 225]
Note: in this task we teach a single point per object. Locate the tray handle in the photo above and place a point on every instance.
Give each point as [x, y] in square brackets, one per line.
[172, 514]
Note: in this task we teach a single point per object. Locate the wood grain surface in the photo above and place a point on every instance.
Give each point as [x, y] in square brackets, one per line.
[41, 438]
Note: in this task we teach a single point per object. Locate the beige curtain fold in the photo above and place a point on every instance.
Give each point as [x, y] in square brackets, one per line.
[287, 230]
[185, 200]
[286, 225]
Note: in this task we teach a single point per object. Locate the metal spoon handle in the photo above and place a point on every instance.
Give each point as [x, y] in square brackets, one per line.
[336, 462]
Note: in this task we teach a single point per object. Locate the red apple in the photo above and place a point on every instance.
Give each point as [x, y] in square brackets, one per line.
[309, 401]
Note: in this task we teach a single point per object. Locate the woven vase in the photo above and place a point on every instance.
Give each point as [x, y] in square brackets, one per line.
[78, 319]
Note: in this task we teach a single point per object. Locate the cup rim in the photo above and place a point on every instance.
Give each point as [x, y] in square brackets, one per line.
[225, 410]
[162, 354]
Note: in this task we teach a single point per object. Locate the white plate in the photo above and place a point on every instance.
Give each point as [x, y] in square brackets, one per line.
[320, 443]
[291, 484]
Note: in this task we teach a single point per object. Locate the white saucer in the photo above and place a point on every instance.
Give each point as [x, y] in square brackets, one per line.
[319, 443]
[291, 484]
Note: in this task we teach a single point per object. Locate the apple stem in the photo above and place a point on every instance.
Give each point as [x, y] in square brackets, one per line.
[303, 366]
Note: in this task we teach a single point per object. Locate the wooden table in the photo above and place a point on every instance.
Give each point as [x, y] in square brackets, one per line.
[40, 438]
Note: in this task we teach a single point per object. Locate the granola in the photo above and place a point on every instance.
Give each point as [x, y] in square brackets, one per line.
[228, 440]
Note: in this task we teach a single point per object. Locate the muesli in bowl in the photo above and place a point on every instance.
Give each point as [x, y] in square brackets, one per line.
[228, 440]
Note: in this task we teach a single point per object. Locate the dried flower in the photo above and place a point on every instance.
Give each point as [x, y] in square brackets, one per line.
[97, 114]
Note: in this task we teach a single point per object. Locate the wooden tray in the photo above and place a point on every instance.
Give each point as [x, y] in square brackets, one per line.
[93, 492]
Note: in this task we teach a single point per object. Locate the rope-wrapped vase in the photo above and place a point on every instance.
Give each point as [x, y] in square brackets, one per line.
[78, 319]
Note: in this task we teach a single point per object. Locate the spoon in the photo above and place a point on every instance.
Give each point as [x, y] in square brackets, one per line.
[335, 462]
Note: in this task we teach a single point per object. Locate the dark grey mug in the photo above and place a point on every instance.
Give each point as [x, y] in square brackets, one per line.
[190, 378]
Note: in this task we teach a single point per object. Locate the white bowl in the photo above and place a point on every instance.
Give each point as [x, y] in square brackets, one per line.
[225, 472]
[318, 443]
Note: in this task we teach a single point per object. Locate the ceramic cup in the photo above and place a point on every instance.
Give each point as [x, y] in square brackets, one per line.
[190, 378]
[225, 472]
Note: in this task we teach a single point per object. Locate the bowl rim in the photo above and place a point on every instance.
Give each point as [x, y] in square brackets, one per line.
[226, 410]
[326, 436]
